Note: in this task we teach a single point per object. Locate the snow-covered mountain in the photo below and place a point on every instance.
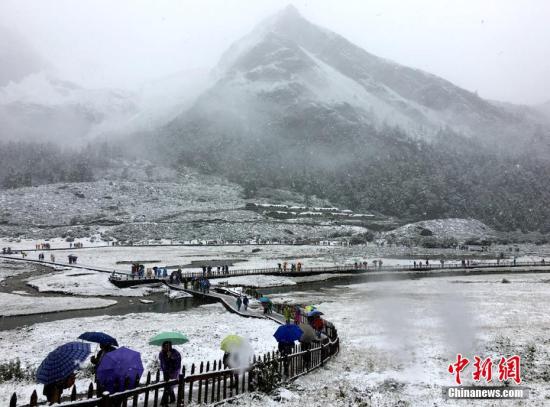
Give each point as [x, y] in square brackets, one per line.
[288, 68]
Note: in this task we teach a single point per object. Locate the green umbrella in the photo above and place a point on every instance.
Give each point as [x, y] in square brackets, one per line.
[231, 342]
[177, 338]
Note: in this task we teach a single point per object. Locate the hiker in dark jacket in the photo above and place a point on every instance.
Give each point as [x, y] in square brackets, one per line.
[53, 391]
[96, 359]
[170, 364]
[245, 303]
[239, 303]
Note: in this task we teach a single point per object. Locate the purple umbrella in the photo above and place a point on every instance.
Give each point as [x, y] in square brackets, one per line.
[118, 365]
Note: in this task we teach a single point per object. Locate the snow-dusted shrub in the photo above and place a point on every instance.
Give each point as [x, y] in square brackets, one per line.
[13, 370]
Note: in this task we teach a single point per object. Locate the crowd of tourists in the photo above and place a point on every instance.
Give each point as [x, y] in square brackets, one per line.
[117, 367]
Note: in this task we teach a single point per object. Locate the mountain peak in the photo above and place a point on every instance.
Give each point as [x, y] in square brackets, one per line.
[290, 11]
[286, 19]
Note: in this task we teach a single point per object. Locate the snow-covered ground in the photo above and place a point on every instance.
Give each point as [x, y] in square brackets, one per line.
[274, 281]
[398, 339]
[14, 304]
[85, 282]
[205, 327]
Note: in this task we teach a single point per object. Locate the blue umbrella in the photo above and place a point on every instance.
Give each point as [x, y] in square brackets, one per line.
[288, 333]
[314, 313]
[264, 299]
[99, 337]
[62, 362]
[118, 365]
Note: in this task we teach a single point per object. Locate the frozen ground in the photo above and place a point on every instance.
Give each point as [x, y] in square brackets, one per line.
[274, 281]
[205, 326]
[175, 208]
[85, 282]
[455, 228]
[398, 339]
[13, 304]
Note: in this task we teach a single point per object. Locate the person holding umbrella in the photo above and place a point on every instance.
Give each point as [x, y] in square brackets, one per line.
[119, 369]
[170, 360]
[265, 303]
[53, 391]
[170, 364]
[96, 359]
[306, 340]
[106, 344]
[56, 371]
[285, 336]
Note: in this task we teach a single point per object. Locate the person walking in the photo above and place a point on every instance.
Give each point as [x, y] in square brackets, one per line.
[287, 313]
[53, 391]
[245, 303]
[96, 359]
[170, 364]
[297, 315]
[239, 303]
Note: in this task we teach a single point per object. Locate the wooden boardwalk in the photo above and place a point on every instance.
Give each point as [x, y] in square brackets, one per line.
[228, 299]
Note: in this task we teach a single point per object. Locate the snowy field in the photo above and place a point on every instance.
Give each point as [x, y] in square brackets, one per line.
[14, 304]
[205, 327]
[85, 282]
[274, 281]
[398, 339]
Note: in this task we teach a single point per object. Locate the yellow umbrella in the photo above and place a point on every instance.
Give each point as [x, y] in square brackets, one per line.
[231, 342]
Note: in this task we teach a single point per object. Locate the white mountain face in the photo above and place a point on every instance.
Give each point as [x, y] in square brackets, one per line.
[287, 64]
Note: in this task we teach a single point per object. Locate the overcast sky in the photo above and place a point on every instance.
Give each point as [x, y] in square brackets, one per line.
[499, 48]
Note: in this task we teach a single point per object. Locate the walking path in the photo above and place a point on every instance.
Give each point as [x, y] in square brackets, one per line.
[228, 299]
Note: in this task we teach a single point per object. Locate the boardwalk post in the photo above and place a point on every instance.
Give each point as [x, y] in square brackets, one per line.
[105, 400]
[218, 387]
[90, 390]
[206, 383]
[213, 390]
[136, 385]
[156, 394]
[179, 396]
[34, 399]
[147, 382]
[190, 398]
[199, 394]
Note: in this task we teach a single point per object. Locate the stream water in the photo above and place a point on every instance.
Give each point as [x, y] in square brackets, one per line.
[125, 305]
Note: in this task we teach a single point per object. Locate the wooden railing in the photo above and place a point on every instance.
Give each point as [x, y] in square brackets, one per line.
[209, 382]
[346, 268]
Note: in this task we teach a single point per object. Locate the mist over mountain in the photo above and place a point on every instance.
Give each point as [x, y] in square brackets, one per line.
[300, 107]
[17, 58]
[297, 107]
